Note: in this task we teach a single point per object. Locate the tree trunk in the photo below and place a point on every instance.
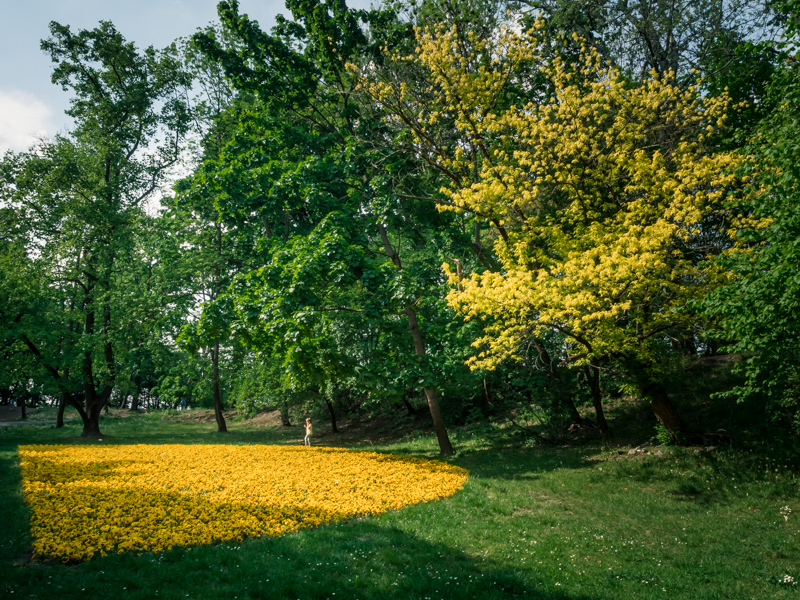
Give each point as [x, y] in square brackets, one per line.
[485, 400]
[137, 390]
[92, 401]
[412, 412]
[91, 426]
[665, 411]
[62, 404]
[285, 415]
[91, 416]
[654, 392]
[221, 427]
[593, 379]
[445, 447]
[22, 406]
[333, 416]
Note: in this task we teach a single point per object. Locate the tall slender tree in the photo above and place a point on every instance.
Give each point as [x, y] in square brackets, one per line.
[82, 195]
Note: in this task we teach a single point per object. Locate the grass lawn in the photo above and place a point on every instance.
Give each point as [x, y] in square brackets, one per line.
[589, 521]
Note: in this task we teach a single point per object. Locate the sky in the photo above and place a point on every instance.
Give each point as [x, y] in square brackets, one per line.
[30, 105]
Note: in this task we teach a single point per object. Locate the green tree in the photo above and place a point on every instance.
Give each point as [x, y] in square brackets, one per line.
[759, 308]
[302, 163]
[668, 37]
[81, 199]
[597, 194]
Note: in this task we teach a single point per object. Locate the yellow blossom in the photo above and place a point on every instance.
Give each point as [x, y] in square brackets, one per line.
[601, 192]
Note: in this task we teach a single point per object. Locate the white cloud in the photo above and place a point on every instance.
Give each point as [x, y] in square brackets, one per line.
[23, 118]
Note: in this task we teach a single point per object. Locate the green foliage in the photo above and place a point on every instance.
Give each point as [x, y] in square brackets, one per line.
[76, 205]
[663, 436]
[641, 36]
[306, 243]
[759, 308]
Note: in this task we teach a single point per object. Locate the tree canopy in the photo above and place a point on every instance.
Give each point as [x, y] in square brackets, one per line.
[494, 207]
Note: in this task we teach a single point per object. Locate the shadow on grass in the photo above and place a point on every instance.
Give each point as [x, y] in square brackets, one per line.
[355, 560]
[717, 478]
[521, 462]
[15, 537]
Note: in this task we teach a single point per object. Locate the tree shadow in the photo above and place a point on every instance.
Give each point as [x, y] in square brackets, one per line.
[712, 478]
[520, 463]
[358, 560]
[15, 537]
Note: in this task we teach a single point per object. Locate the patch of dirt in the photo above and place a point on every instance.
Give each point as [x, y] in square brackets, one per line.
[122, 413]
[352, 431]
[266, 419]
[205, 415]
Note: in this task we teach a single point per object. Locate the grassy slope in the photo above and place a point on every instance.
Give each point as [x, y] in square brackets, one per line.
[582, 522]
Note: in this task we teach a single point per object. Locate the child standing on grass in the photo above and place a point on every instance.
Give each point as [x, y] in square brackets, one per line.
[309, 431]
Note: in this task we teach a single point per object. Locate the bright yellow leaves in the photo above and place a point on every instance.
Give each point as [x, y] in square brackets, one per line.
[89, 500]
[605, 194]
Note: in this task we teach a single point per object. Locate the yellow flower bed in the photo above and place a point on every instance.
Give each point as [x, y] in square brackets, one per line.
[89, 500]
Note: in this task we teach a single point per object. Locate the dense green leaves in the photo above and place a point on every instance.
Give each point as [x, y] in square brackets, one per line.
[299, 263]
[760, 308]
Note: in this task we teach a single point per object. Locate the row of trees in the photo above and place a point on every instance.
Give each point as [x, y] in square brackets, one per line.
[537, 203]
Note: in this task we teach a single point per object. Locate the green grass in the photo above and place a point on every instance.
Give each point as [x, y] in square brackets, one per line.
[568, 522]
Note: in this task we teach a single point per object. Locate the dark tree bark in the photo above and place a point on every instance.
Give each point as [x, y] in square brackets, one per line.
[91, 428]
[445, 447]
[62, 404]
[653, 391]
[94, 402]
[334, 428]
[221, 426]
[593, 379]
[137, 390]
[412, 412]
[285, 415]
[666, 413]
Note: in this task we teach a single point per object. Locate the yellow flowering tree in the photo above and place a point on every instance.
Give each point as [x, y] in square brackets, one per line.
[604, 196]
